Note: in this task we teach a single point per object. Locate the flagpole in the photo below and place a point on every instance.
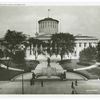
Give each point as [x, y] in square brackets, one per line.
[48, 12]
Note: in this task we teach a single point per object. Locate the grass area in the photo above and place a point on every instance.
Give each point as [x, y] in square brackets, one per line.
[86, 63]
[87, 74]
[69, 65]
[7, 74]
[27, 66]
[93, 73]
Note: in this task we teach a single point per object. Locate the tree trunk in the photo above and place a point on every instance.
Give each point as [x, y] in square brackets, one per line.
[8, 63]
[30, 50]
[0, 62]
[61, 57]
[35, 56]
[36, 52]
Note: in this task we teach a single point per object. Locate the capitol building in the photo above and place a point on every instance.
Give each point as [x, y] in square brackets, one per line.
[49, 26]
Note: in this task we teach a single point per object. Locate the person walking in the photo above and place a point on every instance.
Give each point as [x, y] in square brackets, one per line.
[30, 81]
[61, 76]
[33, 75]
[33, 81]
[64, 75]
[72, 85]
[73, 92]
[48, 60]
[76, 83]
[42, 83]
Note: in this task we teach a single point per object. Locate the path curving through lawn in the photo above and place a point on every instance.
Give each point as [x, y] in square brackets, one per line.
[69, 76]
[10, 68]
[89, 67]
[42, 65]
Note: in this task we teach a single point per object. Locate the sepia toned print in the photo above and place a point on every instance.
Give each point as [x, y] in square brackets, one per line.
[49, 49]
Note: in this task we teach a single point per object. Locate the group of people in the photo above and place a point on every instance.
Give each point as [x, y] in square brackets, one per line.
[32, 81]
[63, 76]
[73, 87]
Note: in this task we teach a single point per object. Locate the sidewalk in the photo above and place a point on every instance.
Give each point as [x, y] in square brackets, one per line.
[89, 67]
[10, 68]
[44, 71]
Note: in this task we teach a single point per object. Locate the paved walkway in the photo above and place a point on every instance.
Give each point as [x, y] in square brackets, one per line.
[69, 76]
[54, 67]
[52, 64]
[10, 68]
[41, 68]
[89, 67]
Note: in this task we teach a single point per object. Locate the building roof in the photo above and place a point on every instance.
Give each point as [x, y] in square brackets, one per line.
[81, 37]
[45, 36]
[48, 18]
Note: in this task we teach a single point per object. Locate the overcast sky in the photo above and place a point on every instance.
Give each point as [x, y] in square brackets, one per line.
[83, 20]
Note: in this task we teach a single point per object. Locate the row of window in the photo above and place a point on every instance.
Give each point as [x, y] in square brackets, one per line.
[85, 44]
[48, 31]
[49, 24]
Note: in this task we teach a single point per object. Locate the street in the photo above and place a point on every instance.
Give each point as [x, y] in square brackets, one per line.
[50, 87]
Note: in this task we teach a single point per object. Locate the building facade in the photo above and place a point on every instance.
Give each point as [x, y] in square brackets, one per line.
[83, 42]
[49, 26]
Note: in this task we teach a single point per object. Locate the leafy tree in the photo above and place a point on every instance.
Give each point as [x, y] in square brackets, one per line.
[9, 55]
[37, 46]
[62, 43]
[19, 59]
[1, 55]
[88, 54]
[19, 56]
[98, 52]
[33, 42]
[13, 40]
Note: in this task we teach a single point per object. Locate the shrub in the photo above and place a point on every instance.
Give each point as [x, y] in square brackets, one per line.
[84, 63]
[88, 54]
[64, 61]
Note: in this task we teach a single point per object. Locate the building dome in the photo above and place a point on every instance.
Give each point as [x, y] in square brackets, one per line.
[48, 19]
[48, 26]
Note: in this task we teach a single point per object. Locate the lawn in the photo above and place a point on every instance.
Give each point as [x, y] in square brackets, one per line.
[93, 73]
[6, 75]
[27, 66]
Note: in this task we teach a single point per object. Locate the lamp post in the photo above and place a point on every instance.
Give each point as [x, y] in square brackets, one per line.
[22, 84]
[22, 47]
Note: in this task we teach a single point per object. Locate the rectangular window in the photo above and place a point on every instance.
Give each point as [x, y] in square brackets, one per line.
[80, 44]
